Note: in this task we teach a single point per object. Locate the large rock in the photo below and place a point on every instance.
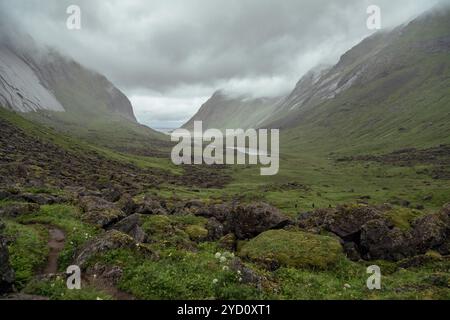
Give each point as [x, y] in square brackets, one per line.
[151, 206]
[275, 248]
[247, 221]
[132, 226]
[109, 240]
[220, 212]
[100, 212]
[432, 232]
[381, 240]
[127, 204]
[344, 221]
[7, 276]
[348, 220]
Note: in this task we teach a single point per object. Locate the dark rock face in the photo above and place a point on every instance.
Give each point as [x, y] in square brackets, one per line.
[127, 204]
[46, 72]
[215, 229]
[244, 221]
[366, 233]
[7, 276]
[380, 240]
[432, 232]
[132, 226]
[347, 222]
[247, 221]
[100, 212]
[344, 221]
[151, 206]
[220, 212]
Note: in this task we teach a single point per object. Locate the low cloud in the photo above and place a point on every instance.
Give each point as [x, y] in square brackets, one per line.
[156, 50]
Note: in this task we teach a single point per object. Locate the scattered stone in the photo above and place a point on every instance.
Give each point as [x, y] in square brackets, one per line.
[150, 206]
[127, 204]
[246, 274]
[15, 210]
[41, 199]
[418, 261]
[131, 225]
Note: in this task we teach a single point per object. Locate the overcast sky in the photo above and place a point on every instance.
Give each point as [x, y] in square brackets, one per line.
[169, 56]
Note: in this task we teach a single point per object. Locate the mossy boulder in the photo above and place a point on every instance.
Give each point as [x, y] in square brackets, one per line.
[131, 225]
[403, 218]
[275, 248]
[168, 231]
[107, 241]
[100, 212]
[196, 232]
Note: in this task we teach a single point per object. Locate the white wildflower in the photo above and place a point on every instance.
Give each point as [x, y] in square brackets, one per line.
[225, 268]
[223, 259]
[215, 281]
[217, 255]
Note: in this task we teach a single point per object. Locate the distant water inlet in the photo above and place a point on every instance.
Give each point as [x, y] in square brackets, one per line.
[235, 147]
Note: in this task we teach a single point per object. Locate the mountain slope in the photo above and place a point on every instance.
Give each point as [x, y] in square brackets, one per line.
[387, 65]
[38, 78]
[388, 92]
[59, 92]
[224, 111]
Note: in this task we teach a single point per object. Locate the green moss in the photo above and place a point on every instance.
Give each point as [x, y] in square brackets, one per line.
[293, 249]
[68, 218]
[175, 231]
[196, 232]
[403, 217]
[56, 289]
[178, 274]
[28, 250]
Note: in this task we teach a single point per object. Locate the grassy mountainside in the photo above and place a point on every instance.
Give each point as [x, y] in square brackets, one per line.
[349, 194]
[224, 111]
[168, 237]
[57, 91]
[397, 97]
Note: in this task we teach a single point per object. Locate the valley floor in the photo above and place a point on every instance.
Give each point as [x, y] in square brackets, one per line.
[141, 228]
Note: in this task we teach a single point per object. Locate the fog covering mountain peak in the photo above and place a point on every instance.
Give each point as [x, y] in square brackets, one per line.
[35, 77]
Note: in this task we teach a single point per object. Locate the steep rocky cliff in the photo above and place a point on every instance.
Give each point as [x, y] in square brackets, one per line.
[33, 77]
